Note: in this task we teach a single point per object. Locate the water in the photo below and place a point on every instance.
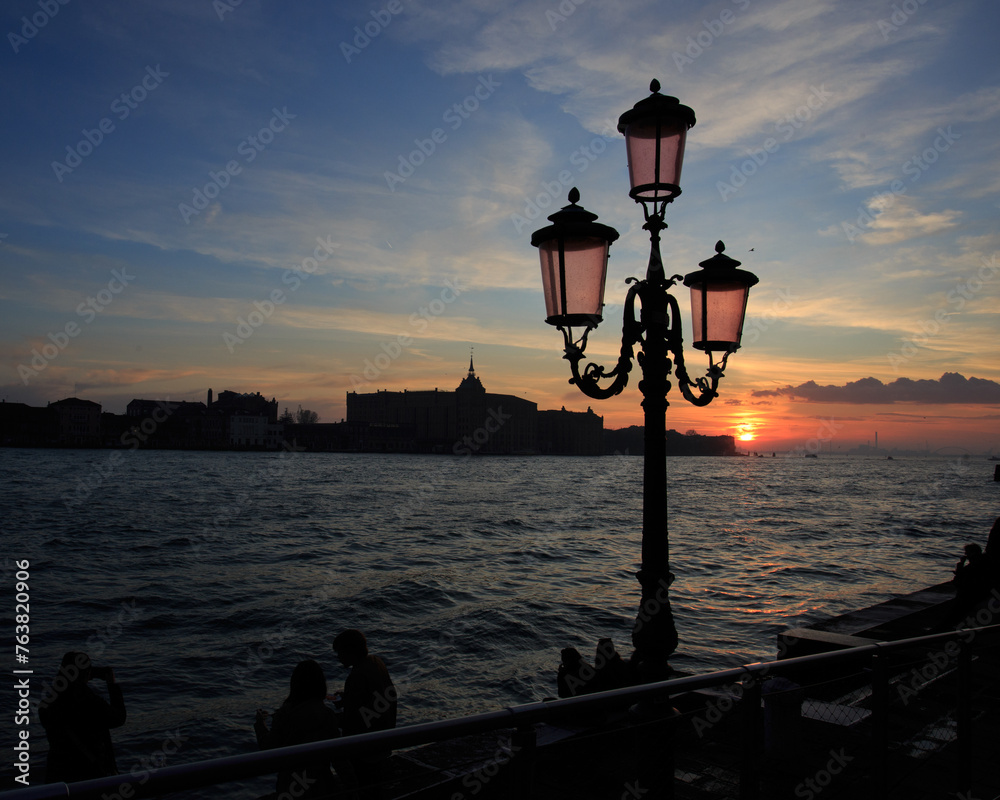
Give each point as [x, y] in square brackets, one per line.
[202, 578]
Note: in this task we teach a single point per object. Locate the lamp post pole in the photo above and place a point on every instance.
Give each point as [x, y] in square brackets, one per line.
[574, 254]
[654, 634]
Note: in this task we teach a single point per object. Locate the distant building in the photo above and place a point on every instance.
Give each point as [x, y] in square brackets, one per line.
[631, 441]
[233, 403]
[254, 432]
[233, 421]
[467, 421]
[147, 408]
[78, 422]
[22, 425]
[570, 433]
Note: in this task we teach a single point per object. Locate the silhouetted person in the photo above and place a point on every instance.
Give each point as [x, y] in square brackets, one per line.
[574, 673]
[972, 579]
[78, 721]
[369, 704]
[303, 717]
[611, 671]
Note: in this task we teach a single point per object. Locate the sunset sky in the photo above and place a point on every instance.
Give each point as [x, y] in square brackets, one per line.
[305, 199]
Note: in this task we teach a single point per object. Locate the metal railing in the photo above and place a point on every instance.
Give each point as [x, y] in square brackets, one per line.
[876, 667]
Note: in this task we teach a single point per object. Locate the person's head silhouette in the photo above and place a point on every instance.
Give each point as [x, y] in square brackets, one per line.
[350, 647]
[308, 683]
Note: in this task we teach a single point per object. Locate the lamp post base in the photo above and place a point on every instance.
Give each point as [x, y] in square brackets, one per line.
[654, 635]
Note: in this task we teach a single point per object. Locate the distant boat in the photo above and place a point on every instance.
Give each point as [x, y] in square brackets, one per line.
[889, 458]
[811, 455]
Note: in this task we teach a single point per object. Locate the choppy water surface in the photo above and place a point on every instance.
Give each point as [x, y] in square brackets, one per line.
[204, 577]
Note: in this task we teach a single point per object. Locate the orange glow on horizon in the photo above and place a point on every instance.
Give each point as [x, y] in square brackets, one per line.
[746, 431]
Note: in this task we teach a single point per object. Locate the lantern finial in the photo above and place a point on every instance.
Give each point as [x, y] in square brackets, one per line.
[654, 86]
[574, 196]
[719, 246]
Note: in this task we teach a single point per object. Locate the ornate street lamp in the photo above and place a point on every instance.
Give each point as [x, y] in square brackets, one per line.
[574, 255]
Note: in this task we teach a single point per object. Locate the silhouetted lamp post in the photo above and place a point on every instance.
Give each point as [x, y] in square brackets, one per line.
[574, 256]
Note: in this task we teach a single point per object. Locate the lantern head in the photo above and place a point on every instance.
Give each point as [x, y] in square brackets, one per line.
[574, 256]
[719, 294]
[655, 132]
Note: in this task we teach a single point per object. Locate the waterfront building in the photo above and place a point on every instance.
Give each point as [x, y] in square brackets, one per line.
[78, 422]
[467, 421]
[22, 425]
[570, 433]
[232, 403]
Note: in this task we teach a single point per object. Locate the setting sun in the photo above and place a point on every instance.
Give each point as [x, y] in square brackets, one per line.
[746, 437]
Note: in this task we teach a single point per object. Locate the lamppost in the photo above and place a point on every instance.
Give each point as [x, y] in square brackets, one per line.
[574, 258]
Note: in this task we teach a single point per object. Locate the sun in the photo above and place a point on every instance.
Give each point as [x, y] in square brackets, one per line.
[746, 431]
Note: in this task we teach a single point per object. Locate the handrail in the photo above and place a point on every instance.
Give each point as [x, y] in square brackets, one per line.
[247, 765]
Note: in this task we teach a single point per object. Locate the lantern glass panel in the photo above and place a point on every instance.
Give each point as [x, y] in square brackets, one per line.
[717, 315]
[641, 140]
[585, 268]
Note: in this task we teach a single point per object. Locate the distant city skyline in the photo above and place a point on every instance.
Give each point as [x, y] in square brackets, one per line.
[311, 200]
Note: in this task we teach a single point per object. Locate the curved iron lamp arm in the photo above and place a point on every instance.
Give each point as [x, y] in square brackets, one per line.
[632, 334]
[592, 373]
[708, 385]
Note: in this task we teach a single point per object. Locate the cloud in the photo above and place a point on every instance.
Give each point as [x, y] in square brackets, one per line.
[951, 388]
[896, 220]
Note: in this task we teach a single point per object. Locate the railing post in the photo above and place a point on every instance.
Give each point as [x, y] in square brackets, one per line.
[880, 725]
[965, 740]
[522, 745]
[751, 755]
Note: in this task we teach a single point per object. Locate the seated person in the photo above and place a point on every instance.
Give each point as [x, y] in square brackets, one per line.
[303, 717]
[574, 673]
[972, 581]
[612, 671]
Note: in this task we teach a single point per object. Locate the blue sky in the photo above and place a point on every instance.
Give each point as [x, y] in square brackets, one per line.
[307, 199]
